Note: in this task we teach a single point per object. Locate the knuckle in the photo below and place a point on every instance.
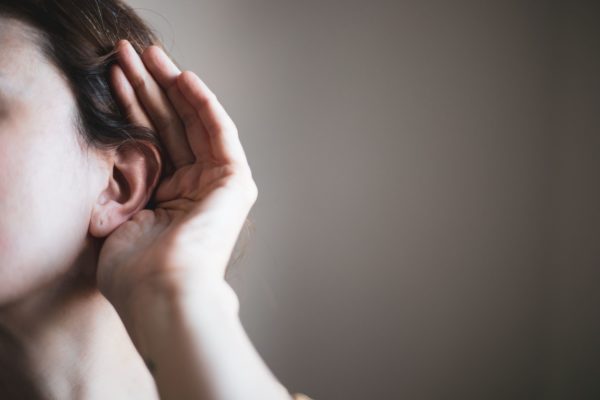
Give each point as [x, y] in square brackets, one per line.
[188, 119]
[164, 122]
[128, 110]
[207, 99]
[203, 102]
[231, 171]
[138, 82]
[187, 74]
[151, 52]
[244, 182]
[253, 190]
[172, 90]
[233, 127]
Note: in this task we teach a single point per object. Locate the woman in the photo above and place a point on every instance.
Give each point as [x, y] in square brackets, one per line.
[123, 189]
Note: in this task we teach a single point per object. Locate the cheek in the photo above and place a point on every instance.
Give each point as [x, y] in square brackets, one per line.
[43, 211]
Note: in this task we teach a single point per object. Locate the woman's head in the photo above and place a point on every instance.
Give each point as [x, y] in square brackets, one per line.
[68, 155]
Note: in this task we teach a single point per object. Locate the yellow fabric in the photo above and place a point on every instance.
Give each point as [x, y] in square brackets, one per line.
[300, 396]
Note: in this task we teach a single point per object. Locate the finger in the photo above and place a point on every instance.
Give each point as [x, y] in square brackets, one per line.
[157, 105]
[166, 72]
[221, 129]
[126, 99]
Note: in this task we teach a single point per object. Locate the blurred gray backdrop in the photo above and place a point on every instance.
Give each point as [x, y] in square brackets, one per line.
[428, 218]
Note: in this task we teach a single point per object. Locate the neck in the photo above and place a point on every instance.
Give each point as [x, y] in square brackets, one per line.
[71, 343]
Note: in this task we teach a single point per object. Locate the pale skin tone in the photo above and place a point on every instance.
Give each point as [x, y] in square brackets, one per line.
[95, 287]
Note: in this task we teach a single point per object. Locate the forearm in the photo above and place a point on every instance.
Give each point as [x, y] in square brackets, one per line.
[197, 348]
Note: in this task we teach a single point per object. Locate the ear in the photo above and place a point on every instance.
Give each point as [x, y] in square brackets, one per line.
[135, 172]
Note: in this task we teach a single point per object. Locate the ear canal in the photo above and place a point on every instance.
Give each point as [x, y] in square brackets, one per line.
[123, 185]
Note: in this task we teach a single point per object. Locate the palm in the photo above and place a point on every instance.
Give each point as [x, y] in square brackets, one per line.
[200, 206]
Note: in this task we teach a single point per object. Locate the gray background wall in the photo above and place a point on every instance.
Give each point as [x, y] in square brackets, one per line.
[428, 216]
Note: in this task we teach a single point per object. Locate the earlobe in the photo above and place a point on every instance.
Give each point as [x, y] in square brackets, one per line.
[134, 172]
[101, 222]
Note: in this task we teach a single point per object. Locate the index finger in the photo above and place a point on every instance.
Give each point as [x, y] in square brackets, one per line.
[155, 101]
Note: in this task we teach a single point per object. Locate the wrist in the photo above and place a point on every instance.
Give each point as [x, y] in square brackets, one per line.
[194, 344]
[152, 309]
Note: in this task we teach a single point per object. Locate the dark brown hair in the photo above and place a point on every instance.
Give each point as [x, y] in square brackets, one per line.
[79, 38]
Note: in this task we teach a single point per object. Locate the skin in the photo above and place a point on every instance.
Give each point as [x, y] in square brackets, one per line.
[107, 299]
[47, 256]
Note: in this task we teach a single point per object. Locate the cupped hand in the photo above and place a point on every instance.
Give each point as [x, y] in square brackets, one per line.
[185, 242]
